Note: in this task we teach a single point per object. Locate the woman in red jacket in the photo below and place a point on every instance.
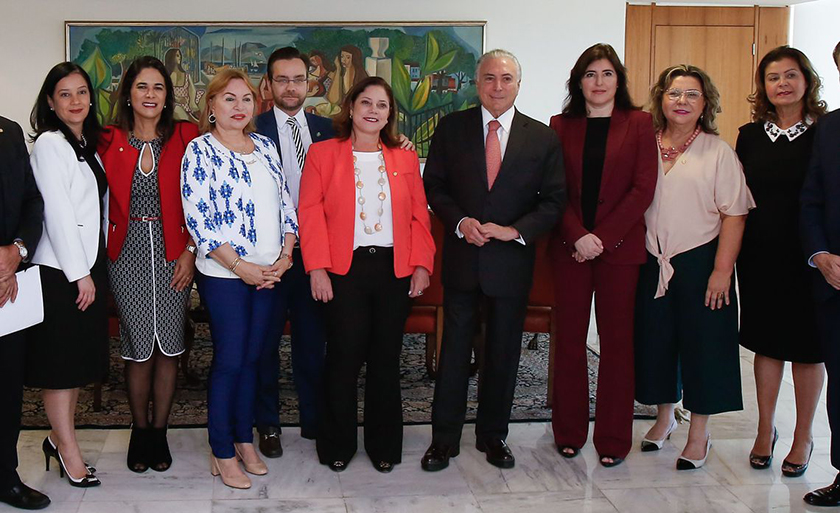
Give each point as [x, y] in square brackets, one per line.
[367, 245]
[609, 153]
[151, 256]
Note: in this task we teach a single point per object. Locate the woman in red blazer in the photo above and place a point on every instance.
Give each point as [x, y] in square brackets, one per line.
[366, 242]
[609, 153]
[151, 256]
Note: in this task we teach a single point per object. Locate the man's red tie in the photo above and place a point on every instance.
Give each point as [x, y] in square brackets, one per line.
[492, 152]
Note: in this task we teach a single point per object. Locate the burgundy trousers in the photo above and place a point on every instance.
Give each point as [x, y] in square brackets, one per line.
[615, 296]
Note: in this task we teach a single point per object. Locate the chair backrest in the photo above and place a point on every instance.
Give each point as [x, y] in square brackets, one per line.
[433, 296]
[542, 291]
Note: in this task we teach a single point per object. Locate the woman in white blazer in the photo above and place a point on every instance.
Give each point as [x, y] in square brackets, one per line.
[70, 348]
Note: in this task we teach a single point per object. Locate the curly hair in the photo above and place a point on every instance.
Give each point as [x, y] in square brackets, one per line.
[575, 103]
[812, 106]
[711, 96]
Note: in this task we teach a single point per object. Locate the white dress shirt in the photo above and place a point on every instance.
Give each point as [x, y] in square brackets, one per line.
[503, 132]
[288, 154]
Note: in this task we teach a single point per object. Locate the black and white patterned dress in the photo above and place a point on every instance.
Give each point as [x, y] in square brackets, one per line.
[151, 312]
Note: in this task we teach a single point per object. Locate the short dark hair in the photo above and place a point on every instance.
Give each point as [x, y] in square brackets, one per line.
[125, 113]
[812, 106]
[43, 119]
[344, 124]
[575, 103]
[284, 54]
[836, 54]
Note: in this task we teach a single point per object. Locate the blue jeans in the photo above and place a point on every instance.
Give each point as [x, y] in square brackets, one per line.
[241, 317]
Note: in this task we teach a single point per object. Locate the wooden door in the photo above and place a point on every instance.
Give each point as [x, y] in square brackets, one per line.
[723, 41]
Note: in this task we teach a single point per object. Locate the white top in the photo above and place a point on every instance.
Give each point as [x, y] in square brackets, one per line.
[288, 154]
[72, 222]
[269, 240]
[705, 182]
[368, 163]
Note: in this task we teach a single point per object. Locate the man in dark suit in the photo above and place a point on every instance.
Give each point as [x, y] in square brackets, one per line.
[495, 178]
[820, 228]
[21, 218]
[292, 131]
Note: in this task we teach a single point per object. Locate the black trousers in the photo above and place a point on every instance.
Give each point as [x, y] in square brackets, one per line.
[505, 318]
[365, 322]
[12, 359]
[828, 317]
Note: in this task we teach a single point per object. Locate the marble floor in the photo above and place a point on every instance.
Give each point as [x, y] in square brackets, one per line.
[542, 481]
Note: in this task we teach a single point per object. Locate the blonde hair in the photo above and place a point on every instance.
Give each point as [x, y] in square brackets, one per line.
[711, 96]
[218, 85]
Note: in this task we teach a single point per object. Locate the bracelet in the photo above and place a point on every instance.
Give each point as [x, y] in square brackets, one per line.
[286, 255]
[233, 265]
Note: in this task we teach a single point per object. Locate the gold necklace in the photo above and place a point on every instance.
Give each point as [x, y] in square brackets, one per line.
[383, 179]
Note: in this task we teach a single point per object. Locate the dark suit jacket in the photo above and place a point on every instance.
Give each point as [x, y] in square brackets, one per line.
[320, 129]
[628, 182]
[528, 194]
[820, 198]
[21, 205]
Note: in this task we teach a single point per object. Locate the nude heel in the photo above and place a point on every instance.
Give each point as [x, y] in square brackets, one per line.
[258, 468]
[234, 479]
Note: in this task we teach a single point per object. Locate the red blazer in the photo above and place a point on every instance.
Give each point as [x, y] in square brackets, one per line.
[120, 161]
[628, 182]
[327, 209]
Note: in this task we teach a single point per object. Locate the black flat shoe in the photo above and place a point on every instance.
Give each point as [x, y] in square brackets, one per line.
[338, 466]
[794, 470]
[615, 461]
[23, 497]
[828, 496]
[498, 453]
[383, 466]
[761, 462]
[270, 443]
[567, 451]
[437, 456]
[137, 459]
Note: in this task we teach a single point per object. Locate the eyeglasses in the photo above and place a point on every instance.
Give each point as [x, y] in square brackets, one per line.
[284, 81]
[691, 95]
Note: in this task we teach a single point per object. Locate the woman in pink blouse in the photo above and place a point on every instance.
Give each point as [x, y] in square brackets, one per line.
[686, 308]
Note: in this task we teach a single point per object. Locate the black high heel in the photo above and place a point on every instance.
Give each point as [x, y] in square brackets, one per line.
[160, 458]
[137, 458]
[51, 451]
[797, 470]
[762, 462]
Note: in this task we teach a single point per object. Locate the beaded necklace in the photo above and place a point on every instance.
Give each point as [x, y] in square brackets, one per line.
[672, 153]
[383, 179]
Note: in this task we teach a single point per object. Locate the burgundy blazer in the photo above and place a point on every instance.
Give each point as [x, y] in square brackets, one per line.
[628, 182]
[120, 160]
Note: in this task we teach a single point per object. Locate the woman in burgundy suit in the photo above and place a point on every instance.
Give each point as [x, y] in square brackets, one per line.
[609, 152]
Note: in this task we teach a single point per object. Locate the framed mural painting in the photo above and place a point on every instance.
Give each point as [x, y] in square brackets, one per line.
[430, 65]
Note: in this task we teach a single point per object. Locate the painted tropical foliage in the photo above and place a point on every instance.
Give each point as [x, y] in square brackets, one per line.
[430, 68]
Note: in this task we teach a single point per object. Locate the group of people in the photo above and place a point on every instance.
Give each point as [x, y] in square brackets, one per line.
[288, 215]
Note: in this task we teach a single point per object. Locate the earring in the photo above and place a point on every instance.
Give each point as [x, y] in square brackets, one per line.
[128, 102]
[211, 118]
[52, 109]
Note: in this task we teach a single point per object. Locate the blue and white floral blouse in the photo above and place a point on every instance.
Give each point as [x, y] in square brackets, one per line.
[225, 201]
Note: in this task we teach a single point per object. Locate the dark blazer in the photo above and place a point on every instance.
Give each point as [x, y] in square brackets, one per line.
[628, 182]
[21, 205]
[528, 194]
[820, 198]
[320, 128]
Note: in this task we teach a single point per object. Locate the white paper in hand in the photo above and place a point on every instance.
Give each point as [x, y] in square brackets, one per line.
[28, 308]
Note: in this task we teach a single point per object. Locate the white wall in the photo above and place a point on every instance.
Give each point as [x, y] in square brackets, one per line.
[546, 35]
[815, 32]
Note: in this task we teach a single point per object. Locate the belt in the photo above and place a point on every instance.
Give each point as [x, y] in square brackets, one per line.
[144, 218]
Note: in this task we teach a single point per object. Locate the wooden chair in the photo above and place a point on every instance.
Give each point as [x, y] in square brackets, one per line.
[427, 312]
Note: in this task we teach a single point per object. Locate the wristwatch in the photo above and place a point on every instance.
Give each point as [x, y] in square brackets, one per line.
[24, 253]
[192, 249]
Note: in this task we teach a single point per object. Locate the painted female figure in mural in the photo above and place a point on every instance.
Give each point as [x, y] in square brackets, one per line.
[186, 98]
[349, 62]
[321, 74]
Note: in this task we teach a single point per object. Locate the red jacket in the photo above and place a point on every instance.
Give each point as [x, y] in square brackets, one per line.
[327, 209]
[628, 182]
[120, 161]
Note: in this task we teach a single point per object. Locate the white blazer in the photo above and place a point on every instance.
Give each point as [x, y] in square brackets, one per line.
[72, 221]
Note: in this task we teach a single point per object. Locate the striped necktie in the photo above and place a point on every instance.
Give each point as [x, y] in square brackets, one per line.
[299, 150]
